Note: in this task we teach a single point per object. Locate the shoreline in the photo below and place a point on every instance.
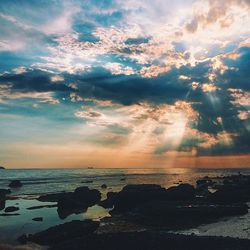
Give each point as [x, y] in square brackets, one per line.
[120, 213]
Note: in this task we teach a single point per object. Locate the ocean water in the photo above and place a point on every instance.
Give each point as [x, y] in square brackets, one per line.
[40, 181]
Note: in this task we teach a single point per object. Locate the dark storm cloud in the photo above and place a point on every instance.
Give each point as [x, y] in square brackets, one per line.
[238, 74]
[33, 81]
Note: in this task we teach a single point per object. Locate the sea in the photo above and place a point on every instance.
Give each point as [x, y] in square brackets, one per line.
[43, 181]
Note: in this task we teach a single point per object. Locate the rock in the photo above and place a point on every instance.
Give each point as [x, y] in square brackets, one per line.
[2, 168]
[64, 232]
[2, 204]
[11, 209]
[149, 240]
[53, 197]
[39, 207]
[78, 201]
[109, 202]
[231, 194]
[38, 219]
[15, 184]
[173, 216]
[181, 192]
[123, 179]
[23, 239]
[103, 186]
[133, 195]
[4, 192]
[9, 214]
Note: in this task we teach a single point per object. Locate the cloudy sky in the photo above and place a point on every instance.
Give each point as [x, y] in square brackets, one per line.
[135, 83]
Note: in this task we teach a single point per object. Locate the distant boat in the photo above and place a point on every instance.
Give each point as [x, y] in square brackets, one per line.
[1, 167]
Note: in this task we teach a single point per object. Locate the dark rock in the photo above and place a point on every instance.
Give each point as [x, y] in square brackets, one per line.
[109, 202]
[103, 186]
[64, 232]
[149, 240]
[176, 216]
[78, 201]
[133, 195]
[23, 239]
[9, 214]
[15, 184]
[4, 192]
[231, 194]
[123, 179]
[181, 192]
[53, 197]
[39, 207]
[2, 204]
[11, 209]
[2, 168]
[38, 219]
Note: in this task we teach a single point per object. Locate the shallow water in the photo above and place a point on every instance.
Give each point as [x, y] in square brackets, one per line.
[38, 181]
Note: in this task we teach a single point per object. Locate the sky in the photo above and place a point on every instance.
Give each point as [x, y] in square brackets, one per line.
[135, 83]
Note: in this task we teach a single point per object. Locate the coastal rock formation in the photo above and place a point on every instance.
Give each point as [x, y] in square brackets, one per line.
[78, 201]
[73, 202]
[15, 184]
[109, 202]
[149, 240]
[3, 193]
[61, 233]
[2, 168]
[133, 195]
[11, 209]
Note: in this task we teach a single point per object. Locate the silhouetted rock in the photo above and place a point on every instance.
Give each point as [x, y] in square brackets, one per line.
[55, 197]
[149, 240]
[133, 195]
[181, 192]
[2, 168]
[109, 202]
[172, 215]
[38, 219]
[63, 232]
[103, 186]
[39, 207]
[11, 209]
[15, 184]
[78, 201]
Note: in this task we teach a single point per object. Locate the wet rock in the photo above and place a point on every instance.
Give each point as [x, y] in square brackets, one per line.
[133, 195]
[78, 201]
[177, 216]
[109, 202]
[149, 240]
[11, 209]
[103, 186]
[2, 204]
[123, 179]
[39, 207]
[2, 168]
[9, 214]
[38, 219]
[4, 192]
[181, 192]
[15, 184]
[55, 197]
[64, 232]
[23, 239]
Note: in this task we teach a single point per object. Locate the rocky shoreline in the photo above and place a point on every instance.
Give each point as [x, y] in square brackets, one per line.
[142, 215]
